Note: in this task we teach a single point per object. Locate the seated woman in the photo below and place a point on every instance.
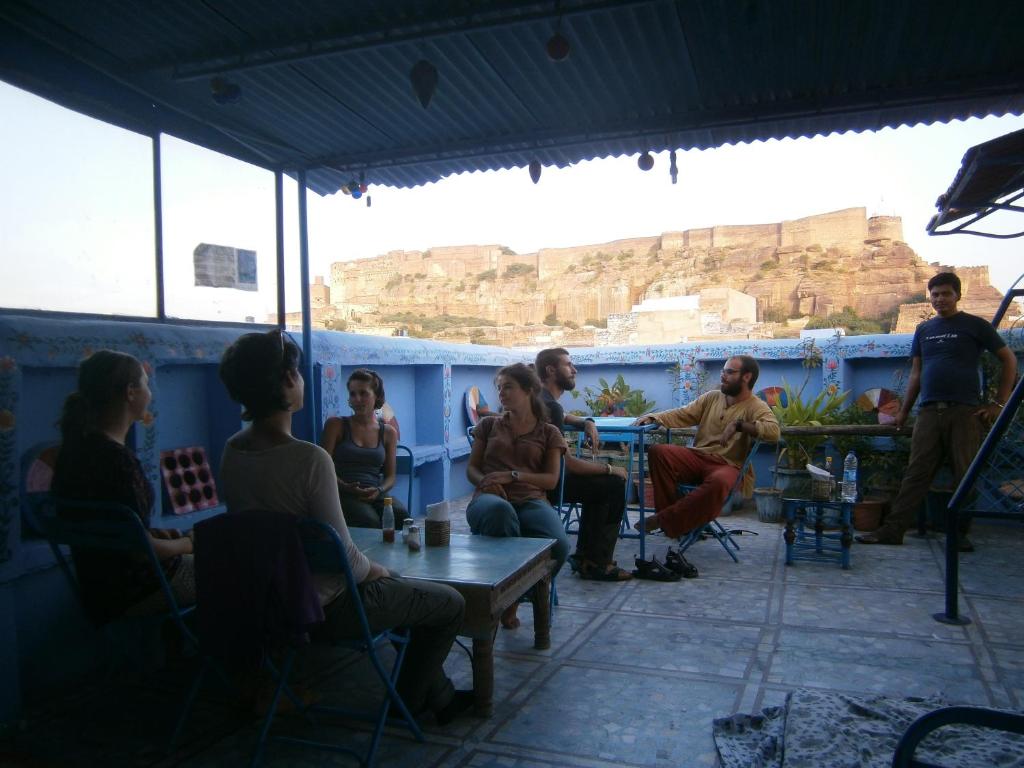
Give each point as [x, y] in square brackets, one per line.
[264, 468]
[363, 449]
[94, 464]
[515, 459]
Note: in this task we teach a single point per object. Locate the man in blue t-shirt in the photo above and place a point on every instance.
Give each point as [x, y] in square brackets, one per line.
[944, 358]
[599, 488]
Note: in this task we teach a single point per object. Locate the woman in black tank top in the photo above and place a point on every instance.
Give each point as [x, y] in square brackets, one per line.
[363, 449]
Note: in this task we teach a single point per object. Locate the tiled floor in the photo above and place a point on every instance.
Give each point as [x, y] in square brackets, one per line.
[637, 671]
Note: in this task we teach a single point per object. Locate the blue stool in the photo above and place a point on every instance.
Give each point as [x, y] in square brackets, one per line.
[805, 535]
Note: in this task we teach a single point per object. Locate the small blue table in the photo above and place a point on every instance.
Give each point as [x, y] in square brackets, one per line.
[805, 535]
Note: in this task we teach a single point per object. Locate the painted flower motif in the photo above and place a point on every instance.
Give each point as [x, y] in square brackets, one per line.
[7, 364]
[832, 388]
[7, 420]
[329, 372]
[200, 352]
[148, 418]
[832, 364]
[687, 385]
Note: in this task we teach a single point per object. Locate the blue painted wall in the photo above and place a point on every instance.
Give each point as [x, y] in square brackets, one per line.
[41, 629]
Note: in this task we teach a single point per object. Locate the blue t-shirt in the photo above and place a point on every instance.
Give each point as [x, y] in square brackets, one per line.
[950, 350]
[556, 413]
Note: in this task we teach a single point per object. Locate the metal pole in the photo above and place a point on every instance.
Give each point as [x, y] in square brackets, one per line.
[279, 221]
[952, 615]
[307, 326]
[158, 230]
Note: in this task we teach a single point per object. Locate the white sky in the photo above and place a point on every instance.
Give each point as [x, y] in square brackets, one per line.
[76, 222]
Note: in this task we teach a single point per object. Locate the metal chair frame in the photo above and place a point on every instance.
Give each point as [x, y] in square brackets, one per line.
[714, 529]
[325, 553]
[1010, 722]
[122, 530]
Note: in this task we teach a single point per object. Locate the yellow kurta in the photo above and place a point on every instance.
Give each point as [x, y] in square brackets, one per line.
[710, 413]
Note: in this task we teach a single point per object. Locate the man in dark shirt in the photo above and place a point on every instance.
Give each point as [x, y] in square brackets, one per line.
[598, 487]
[944, 359]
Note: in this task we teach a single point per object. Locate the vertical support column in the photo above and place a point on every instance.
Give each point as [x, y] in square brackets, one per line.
[279, 230]
[158, 230]
[10, 539]
[449, 414]
[307, 324]
[833, 373]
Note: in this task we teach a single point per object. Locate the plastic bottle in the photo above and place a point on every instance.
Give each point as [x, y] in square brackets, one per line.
[387, 521]
[849, 490]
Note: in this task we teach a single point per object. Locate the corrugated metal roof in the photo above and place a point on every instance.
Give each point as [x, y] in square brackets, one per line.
[325, 85]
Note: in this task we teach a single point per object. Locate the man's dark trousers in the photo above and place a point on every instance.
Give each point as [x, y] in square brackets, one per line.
[942, 433]
[603, 501]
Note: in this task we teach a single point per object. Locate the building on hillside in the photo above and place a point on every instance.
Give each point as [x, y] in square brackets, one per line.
[713, 313]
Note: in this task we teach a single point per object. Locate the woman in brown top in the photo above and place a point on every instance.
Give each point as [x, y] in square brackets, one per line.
[516, 458]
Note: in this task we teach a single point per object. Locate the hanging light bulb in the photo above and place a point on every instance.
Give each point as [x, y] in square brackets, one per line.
[558, 47]
[645, 162]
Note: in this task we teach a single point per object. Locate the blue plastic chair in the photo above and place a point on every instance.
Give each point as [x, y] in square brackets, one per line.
[111, 526]
[325, 553]
[714, 529]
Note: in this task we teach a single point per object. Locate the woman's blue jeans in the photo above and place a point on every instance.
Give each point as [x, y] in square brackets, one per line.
[490, 515]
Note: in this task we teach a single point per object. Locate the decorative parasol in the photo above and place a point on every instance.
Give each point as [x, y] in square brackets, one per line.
[474, 403]
[774, 396]
[884, 402]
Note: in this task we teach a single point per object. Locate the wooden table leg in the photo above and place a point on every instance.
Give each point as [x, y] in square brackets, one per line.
[483, 675]
[542, 614]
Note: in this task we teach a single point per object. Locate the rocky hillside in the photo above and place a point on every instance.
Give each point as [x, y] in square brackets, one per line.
[811, 266]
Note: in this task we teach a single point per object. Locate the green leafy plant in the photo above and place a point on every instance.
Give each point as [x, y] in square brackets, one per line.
[616, 399]
[797, 412]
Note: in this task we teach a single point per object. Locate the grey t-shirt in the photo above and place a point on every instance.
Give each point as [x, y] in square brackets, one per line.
[950, 350]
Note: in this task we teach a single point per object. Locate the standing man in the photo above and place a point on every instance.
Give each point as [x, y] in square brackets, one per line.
[728, 421]
[944, 360]
[599, 488]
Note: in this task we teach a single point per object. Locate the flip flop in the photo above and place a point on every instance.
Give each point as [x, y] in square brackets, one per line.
[654, 571]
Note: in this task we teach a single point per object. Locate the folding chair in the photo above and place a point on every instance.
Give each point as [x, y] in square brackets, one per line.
[325, 553]
[715, 529]
[111, 526]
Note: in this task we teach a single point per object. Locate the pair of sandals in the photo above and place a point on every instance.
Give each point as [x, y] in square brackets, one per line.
[674, 567]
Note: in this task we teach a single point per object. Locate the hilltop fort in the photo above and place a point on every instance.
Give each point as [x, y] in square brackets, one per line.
[741, 280]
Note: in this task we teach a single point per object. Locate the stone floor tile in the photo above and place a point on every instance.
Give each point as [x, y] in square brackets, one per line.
[651, 643]
[1001, 619]
[621, 716]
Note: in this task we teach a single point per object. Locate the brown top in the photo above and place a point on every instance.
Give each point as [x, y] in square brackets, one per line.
[505, 451]
[711, 413]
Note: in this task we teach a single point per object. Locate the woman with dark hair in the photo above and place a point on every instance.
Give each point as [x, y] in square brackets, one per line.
[515, 460]
[94, 464]
[264, 468]
[363, 449]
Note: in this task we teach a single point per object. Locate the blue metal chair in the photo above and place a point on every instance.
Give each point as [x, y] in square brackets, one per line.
[325, 553]
[404, 466]
[110, 526]
[714, 529]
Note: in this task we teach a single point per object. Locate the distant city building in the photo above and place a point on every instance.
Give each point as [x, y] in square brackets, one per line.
[221, 266]
[711, 313]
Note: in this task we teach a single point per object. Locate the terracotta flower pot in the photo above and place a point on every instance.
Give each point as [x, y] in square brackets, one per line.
[867, 514]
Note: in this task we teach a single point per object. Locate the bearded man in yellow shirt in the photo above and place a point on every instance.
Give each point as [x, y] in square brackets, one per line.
[728, 421]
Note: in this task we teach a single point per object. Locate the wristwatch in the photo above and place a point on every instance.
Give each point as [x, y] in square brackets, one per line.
[515, 476]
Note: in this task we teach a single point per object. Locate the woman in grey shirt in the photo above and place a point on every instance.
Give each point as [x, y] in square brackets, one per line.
[265, 468]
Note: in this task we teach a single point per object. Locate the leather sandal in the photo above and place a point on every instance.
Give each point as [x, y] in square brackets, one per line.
[593, 572]
[675, 561]
[654, 571]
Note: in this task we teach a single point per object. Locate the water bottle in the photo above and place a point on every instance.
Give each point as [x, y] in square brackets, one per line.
[849, 489]
[387, 521]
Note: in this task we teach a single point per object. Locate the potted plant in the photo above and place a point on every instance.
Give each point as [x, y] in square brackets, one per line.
[795, 452]
[616, 399]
